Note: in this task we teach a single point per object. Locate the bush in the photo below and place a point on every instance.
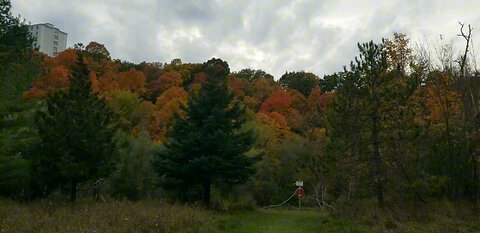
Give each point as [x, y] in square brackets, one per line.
[237, 198]
[14, 176]
[135, 177]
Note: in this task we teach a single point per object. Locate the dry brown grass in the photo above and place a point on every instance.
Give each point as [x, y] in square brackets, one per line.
[87, 216]
[156, 216]
[434, 217]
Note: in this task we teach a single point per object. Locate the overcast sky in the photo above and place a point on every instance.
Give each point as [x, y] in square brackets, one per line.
[319, 36]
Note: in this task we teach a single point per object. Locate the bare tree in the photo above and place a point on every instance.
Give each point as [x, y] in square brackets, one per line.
[468, 38]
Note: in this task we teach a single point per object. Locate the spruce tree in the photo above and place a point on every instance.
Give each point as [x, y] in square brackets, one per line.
[15, 39]
[77, 136]
[207, 145]
[18, 68]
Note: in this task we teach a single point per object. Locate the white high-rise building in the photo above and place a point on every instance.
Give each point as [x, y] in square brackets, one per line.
[49, 39]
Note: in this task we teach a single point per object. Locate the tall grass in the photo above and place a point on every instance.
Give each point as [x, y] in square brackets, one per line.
[157, 216]
[87, 216]
[435, 216]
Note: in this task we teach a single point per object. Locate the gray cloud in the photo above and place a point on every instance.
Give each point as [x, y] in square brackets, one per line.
[276, 36]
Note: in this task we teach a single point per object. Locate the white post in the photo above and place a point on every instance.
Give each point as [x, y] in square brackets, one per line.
[299, 184]
[299, 203]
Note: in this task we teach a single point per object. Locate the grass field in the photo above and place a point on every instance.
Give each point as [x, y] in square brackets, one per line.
[156, 216]
[91, 217]
[271, 221]
[293, 221]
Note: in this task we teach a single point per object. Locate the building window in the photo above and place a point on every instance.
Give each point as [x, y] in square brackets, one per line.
[55, 37]
[55, 42]
[36, 27]
[55, 49]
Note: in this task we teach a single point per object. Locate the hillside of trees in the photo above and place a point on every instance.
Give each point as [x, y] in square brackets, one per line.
[400, 123]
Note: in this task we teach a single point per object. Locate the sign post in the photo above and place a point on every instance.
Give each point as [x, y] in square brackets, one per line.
[300, 192]
[299, 203]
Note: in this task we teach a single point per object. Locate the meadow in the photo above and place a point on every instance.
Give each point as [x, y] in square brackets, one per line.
[158, 216]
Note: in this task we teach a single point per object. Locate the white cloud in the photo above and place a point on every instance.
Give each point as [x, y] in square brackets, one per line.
[276, 36]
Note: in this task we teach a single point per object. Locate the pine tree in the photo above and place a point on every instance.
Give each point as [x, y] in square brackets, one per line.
[76, 133]
[207, 145]
[18, 68]
[358, 114]
[15, 39]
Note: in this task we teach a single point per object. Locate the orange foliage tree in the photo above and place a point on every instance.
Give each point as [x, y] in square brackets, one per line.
[166, 81]
[166, 106]
[55, 75]
[132, 80]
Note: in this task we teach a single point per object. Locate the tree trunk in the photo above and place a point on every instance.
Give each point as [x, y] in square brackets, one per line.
[476, 189]
[73, 191]
[206, 193]
[377, 162]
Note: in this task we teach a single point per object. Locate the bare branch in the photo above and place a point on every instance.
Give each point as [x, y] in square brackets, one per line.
[467, 36]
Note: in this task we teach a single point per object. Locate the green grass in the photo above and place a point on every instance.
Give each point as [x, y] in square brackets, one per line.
[269, 221]
[430, 219]
[280, 221]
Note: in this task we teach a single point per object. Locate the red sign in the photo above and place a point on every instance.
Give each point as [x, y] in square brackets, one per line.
[300, 192]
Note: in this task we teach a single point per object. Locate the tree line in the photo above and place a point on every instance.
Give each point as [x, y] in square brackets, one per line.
[398, 123]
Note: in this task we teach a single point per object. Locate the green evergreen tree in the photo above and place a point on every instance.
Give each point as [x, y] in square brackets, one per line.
[330, 82]
[18, 68]
[15, 39]
[77, 135]
[207, 145]
[357, 119]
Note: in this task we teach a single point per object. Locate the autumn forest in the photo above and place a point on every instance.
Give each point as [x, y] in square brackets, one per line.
[397, 128]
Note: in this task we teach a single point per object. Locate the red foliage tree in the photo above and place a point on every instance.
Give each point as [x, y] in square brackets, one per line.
[166, 81]
[279, 102]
